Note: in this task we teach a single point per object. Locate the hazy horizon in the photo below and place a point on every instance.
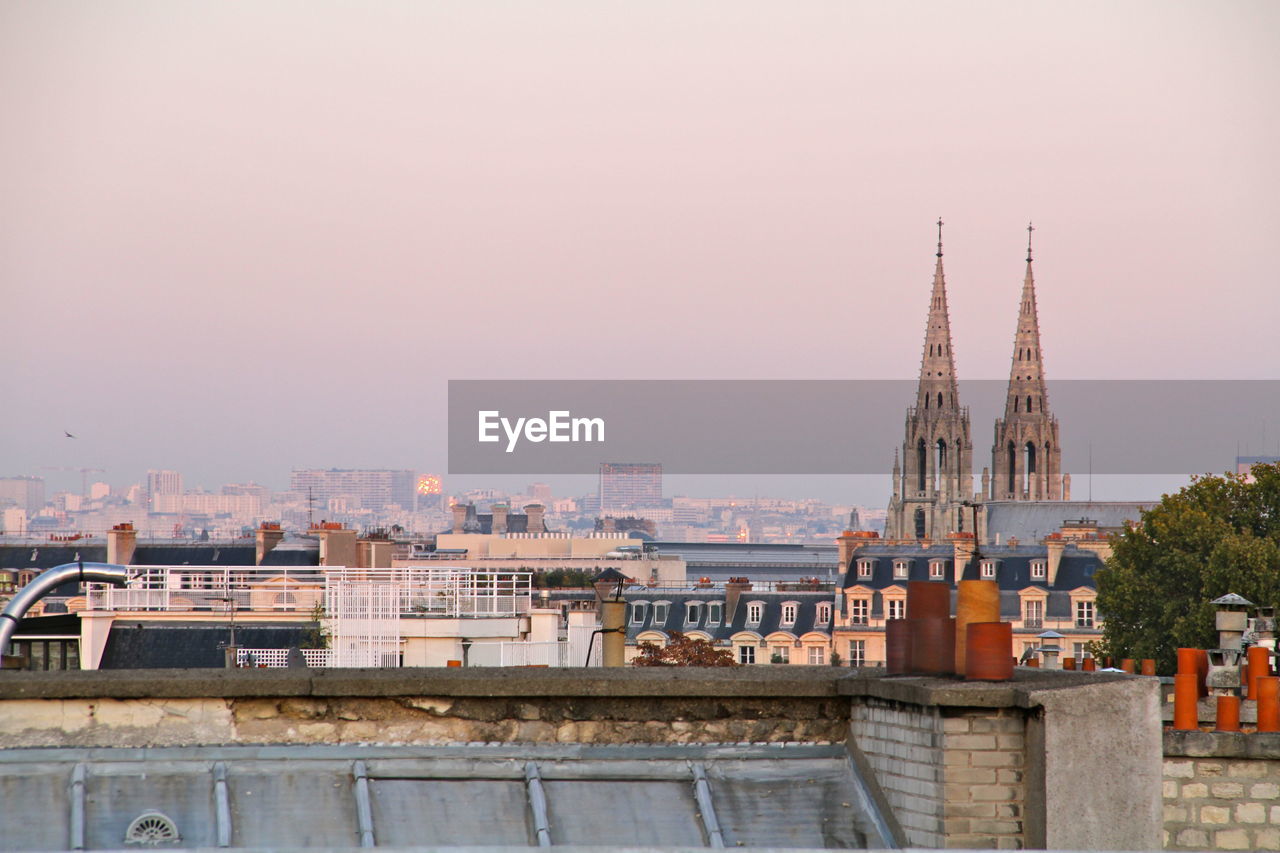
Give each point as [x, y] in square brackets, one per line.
[238, 239]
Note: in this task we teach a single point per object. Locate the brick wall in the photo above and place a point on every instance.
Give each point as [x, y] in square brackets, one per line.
[953, 777]
[1221, 791]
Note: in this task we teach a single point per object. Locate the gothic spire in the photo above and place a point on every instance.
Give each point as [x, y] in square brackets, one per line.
[1027, 395]
[937, 388]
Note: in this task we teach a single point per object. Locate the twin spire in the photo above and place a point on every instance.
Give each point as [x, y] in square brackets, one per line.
[937, 387]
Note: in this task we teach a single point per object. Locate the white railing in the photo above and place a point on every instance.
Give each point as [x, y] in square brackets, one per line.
[216, 589]
[279, 658]
[448, 592]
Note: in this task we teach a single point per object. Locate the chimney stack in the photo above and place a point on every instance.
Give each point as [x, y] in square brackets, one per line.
[733, 591]
[122, 540]
[268, 536]
[536, 525]
[459, 516]
[499, 526]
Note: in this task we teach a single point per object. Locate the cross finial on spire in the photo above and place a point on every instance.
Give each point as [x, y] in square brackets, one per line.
[1030, 228]
[939, 236]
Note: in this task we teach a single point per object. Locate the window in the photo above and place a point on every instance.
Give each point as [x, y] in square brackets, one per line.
[1039, 569]
[1084, 614]
[865, 568]
[1077, 651]
[859, 611]
[900, 568]
[660, 613]
[788, 614]
[780, 654]
[857, 653]
[637, 612]
[714, 611]
[817, 655]
[897, 608]
[1034, 613]
[755, 611]
[691, 613]
[987, 570]
[746, 654]
[824, 613]
[937, 569]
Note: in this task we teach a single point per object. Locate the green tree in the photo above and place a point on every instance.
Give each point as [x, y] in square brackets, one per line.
[1217, 535]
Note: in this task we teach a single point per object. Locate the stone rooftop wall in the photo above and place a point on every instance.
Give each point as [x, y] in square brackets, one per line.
[950, 763]
[1221, 791]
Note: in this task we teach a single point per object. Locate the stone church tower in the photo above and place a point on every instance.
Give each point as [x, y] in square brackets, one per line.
[935, 474]
[1026, 458]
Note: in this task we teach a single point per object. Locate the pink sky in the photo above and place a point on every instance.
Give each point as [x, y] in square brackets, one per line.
[237, 238]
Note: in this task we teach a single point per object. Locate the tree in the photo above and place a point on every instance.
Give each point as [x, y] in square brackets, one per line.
[683, 651]
[1217, 535]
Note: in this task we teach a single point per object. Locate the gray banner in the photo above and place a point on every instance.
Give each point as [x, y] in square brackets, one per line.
[836, 426]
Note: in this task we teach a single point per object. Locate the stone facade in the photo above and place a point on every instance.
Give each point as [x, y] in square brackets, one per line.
[1221, 791]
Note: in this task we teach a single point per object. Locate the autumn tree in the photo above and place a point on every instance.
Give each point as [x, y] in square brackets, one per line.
[683, 651]
[1217, 535]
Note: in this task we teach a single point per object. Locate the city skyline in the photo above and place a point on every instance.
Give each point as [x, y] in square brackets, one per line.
[276, 254]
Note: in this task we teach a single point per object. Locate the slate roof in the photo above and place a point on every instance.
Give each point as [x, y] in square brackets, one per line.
[678, 612]
[1033, 520]
[134, 644]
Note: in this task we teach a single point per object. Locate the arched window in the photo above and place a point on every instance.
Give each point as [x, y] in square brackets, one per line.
[941, 469]
[926, 401]
[1013, 468]
[1017, 401]
[922, 464]
[939, 399]
[1029, 403]
[1031, 458]
[920, 531]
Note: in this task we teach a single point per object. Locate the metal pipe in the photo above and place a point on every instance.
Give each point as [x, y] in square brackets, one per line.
[537, 804]
[47, 580]
[706, 808]
[364, 808]
[223, 804]
[77, 808]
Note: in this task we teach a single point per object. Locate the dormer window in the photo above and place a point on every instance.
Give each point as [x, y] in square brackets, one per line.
[1039, 569]
[715, 611]
[987, 570]
[660, 612]
[824, 613]
[937, 570]
[637, 612]
[789, 613]
[865, 567]
[755, 611]
[901, 568]
[692, 612]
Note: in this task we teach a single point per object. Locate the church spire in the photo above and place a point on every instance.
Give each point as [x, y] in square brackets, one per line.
[1026, 456]
[937, 388]
[1027, 395]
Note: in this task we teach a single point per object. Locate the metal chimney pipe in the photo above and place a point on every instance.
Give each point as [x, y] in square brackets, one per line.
[49, 579]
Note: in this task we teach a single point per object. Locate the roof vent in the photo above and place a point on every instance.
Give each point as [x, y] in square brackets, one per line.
[152, 828]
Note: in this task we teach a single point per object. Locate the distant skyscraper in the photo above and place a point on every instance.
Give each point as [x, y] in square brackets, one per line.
[162, 483]
[630, 485]
[374, 488]
[24, 492]
[540, 492]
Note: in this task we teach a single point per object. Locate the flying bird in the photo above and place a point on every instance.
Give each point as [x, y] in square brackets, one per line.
[68, 435]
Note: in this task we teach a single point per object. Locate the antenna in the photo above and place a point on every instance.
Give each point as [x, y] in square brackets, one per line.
[310, 500]
[1091, 472]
